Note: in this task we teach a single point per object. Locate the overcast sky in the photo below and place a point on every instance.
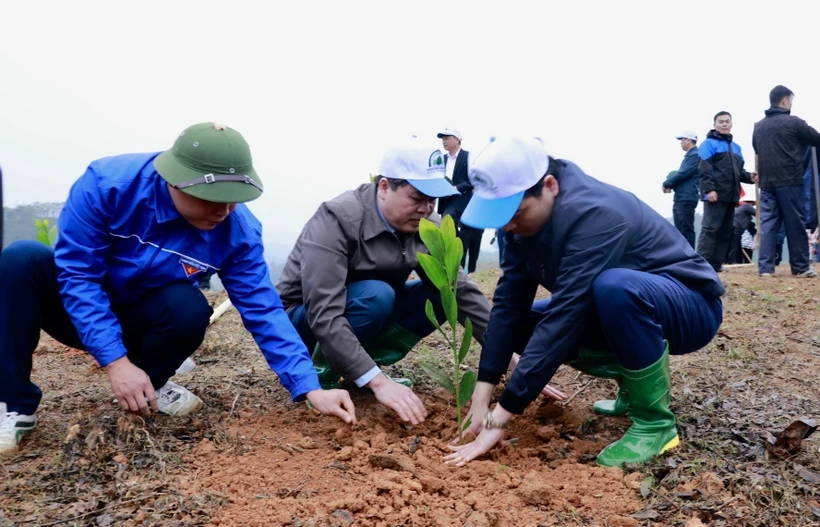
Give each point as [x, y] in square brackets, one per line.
[320, 89]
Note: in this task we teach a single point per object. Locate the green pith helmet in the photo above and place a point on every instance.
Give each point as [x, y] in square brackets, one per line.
[211, 162]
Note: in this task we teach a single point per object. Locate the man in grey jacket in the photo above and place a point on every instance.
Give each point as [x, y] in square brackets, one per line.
[345, 285]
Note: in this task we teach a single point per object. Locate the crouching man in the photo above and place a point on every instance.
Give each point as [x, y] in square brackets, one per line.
[345, 285]
[627, 291]
[136, 232]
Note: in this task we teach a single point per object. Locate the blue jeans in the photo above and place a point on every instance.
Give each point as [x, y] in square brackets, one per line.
[159, 331]
[634, 312]
[783, 207]
[372, 305]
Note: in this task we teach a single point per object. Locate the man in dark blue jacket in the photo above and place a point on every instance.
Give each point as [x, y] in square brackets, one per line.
[136, 233]
[721, 172]
[685, 184]
[627, 291]
[780, 141]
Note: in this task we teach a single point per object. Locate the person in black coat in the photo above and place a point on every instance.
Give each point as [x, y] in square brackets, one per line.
[455, 163]
[744, 214]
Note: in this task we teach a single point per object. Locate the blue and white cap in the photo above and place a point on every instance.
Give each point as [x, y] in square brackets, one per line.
[421, 164]
[500, 174]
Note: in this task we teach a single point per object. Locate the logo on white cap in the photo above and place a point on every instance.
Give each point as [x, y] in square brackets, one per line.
[507, 166]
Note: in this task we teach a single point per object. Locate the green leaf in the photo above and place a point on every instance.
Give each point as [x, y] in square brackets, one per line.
[448, 231]
[431, 314]
[465, 389]
[434, 270]
[441, 378]
[467, 422]
[52, 235]
[452, 260]
[431, 236]
[448, 301]
[465, 342]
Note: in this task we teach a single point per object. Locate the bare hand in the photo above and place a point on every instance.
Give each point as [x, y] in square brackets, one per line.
[132, 386]
[463, 454]
[399, 398]
[666, 190]
[333, 402]
[476, 415]
[712, 197]
[755, 177]
[548, 391]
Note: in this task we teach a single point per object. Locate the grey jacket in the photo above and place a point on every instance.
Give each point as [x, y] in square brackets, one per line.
[347, 241]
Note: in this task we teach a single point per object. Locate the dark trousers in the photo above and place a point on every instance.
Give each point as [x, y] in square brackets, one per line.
[716, 232]
[372, 305]
[783, 206]
[634, 312]
[499, 237]
[159, 330]
[736, 254]
[471, 239]
[683, 214]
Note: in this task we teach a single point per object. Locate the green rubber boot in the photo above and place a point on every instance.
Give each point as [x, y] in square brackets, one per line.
[602, 364]
[328, 378]
[392, 345]
[653, 430]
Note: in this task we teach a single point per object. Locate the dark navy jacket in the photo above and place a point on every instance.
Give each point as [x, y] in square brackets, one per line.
[780, 140]
[721, 167]
[685, 181]
[594, 227]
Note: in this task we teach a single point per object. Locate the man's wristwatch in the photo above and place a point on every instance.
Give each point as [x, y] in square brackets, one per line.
[489, 423]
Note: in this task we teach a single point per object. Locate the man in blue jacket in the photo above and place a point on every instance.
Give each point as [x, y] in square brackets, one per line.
[684, 182]
[627, 291]
[720, 174]
[135, 234]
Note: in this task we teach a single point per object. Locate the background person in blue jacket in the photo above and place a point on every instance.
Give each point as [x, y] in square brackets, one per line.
[720, 172]
[627, 291]
[135, 234]
[684, 182]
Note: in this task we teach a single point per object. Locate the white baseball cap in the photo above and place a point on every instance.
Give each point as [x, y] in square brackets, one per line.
[500, 174]
[688, 135]
[450, 131]
[421, 164]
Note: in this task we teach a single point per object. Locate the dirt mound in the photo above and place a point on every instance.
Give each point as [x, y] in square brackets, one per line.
[383, 473]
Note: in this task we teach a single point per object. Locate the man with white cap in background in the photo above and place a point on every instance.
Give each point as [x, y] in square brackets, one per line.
[684, 182]
[627, 291]
[345, 285]
[456, 163]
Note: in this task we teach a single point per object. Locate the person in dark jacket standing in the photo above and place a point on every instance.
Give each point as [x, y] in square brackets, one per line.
[684, 182]
[744, 214]
[627, 290]
[780, 140]
[720, 173]
[455, 164]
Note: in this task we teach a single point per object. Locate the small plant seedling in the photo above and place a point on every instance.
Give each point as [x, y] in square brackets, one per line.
[442, 267]
[46, 233]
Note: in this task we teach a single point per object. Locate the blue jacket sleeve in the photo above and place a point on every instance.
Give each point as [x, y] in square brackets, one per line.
[512, 302]
[595, 243]
[688, 168]
[705, 176]
[250, 289]
[80, 256]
